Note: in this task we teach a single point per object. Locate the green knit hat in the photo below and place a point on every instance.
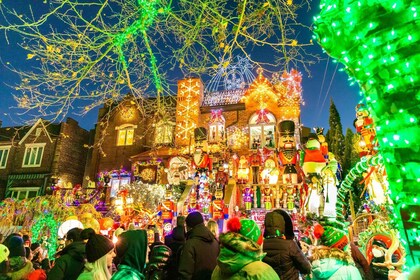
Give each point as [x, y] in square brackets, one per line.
[250, 229]
[331, 236]
[245, 227]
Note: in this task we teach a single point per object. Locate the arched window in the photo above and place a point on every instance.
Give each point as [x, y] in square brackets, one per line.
[262, 130]
[216, 127]
[125, 134]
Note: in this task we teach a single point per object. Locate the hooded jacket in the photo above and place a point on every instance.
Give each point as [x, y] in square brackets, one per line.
[240, 258]
[19, 268]
[199, 254]
[71, 263]
[131, 254]
[282, 252]
[334, 269]
[175, 241]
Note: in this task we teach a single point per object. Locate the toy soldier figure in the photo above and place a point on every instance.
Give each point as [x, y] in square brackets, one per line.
[201, 160]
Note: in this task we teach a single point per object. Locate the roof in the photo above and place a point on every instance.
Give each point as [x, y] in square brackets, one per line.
[18, 133]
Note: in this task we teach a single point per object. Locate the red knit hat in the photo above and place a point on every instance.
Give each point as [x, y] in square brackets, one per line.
[247, 228]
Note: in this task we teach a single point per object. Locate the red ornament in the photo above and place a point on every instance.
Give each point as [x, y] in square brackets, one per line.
[318, 231]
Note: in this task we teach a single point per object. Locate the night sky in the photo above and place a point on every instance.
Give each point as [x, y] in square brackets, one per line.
[317, 90]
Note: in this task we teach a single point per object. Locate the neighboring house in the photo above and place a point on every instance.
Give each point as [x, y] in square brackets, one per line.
[32, 158]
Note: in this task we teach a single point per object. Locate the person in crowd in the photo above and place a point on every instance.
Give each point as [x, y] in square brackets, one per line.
[131, 250]
[332, 259]
[175, 240]
[71, 262]
[4, 256]
[18, 266]
[240, 255]
[361, 262]
[199, 254]
[39, 261]
[283, 253]
[157, 267]
[99, 255]
[214, 228]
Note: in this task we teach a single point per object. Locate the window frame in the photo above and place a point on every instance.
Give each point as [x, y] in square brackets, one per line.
[125, 128]
[29, 147]
[3, 158]
[19, 190]
[263, 127]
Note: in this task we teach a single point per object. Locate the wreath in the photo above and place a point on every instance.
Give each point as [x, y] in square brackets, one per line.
[38, 229]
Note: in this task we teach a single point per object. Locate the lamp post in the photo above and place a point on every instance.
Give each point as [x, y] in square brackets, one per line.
[105, 198]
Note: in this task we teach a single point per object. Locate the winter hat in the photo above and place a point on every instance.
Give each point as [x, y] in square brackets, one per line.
[4, 253]
[16, 248]
[277, 224]
[247, 228]
[331, 236]
[193, 219]
[37, 274]
[97, 245]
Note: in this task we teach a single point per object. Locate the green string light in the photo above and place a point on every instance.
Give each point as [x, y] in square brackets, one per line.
[43, 224]
[377, 44]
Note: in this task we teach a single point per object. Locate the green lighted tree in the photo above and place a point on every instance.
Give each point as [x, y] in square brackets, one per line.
[95, 52]
[335, 133]
[378, 42]
[350, 157]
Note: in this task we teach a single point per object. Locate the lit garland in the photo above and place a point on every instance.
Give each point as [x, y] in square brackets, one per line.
[376, 41]
[46, 220]
[346, 185]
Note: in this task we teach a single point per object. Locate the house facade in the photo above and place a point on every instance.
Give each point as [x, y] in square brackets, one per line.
[33, 158]
[238, 114]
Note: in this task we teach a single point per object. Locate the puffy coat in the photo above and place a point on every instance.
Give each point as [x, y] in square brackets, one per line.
[199, 254]
[240, 258]
[333, 269]
[282, 252]
[71, 262]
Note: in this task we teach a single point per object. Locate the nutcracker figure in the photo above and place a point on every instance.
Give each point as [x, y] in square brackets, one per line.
[201, 160]
[167, 207]
[243, 171]
[248, 194]
[255, 162]
[205, 201]
[287, 152]
[192, 201]
[233, 166]
[222, 177]
[268, 198]
[218, 208]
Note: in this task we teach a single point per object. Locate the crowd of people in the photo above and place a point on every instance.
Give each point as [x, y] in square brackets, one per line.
[193, 250]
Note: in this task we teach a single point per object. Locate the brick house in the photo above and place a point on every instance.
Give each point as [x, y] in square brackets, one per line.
[241, 115]
[32, 158]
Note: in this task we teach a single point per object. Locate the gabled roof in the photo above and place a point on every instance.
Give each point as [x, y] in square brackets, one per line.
[37, 124]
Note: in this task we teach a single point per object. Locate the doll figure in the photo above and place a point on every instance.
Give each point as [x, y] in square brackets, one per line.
[248, 195]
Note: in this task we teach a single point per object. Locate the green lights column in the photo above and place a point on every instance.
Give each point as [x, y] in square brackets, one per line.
[378, 42]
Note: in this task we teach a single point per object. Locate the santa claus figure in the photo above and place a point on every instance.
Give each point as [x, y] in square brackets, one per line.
[221, 177]
[312, 159]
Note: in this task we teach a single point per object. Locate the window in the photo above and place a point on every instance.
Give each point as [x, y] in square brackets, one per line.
[33, 155]
[164, 132]
[4, 153]
[262, 130]
[116, 183]
[125, 135]
[216, 127]
[22, 193]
